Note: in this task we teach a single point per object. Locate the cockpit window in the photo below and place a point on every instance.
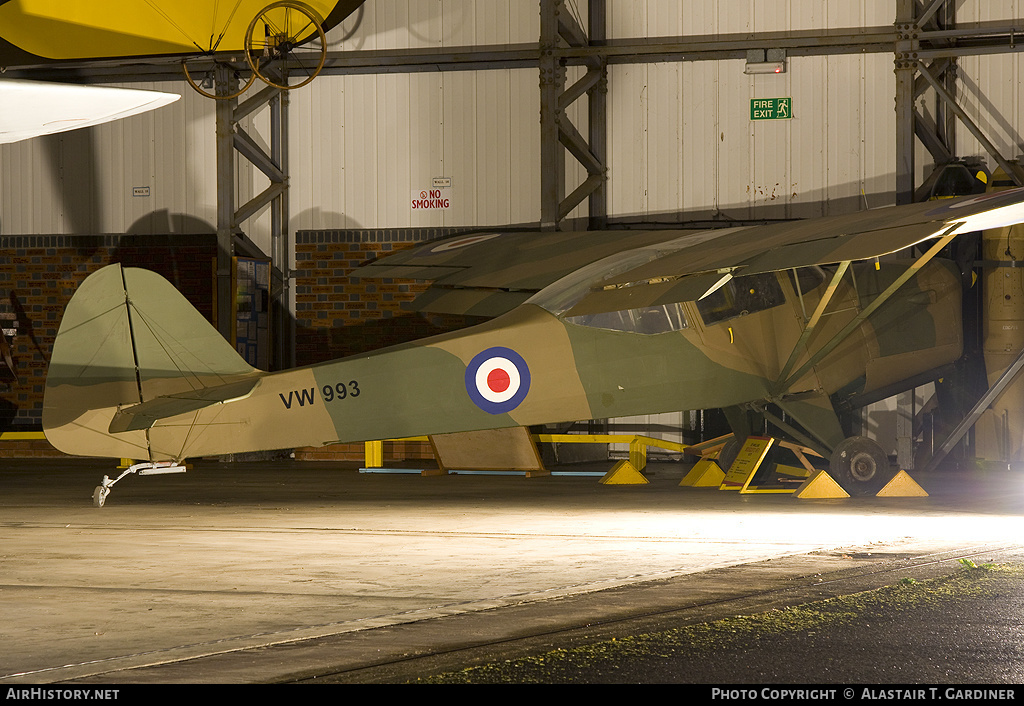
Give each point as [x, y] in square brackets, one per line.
[741, 296]
[648, 320]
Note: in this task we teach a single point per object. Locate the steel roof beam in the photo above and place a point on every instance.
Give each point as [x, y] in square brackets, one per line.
[983, 38]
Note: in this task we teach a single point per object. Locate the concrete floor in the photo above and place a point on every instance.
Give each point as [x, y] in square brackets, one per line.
[195, 577]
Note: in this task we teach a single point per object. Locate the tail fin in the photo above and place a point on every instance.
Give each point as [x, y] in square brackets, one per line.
[127, 337]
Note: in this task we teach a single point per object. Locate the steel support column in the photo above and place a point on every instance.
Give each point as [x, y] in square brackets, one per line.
[281, 244]
[598, 117]
[559, 28]
[232, 139]
[906, 68]
[552, 84]
[225, 84]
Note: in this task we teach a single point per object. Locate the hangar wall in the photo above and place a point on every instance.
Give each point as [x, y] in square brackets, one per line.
[681, 140]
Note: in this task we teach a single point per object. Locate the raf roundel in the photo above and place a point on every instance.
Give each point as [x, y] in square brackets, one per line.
[497, 380]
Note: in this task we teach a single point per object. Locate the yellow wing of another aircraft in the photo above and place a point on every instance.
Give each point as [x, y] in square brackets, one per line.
[41, 31]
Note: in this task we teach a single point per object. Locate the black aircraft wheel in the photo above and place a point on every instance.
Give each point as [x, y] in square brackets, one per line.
[860, 466]
[729, 453]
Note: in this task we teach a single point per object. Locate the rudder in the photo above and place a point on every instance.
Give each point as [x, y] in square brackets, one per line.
[127, 336]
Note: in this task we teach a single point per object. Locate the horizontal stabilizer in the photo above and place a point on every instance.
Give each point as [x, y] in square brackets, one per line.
[146, 414]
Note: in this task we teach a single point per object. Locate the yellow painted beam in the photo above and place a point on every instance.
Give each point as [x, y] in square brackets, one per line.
[373, 451]
[22, 436]
[374, 454]
[610, 439]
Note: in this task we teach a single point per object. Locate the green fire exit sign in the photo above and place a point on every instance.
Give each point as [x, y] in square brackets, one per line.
[771, 108]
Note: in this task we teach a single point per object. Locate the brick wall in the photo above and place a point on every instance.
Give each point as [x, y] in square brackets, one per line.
[38, 275]
[338, 315]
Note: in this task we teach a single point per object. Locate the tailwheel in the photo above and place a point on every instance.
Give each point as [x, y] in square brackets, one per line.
[860, 465]
[201, 73]
[99, 495]
[146, 468]
[285, 44]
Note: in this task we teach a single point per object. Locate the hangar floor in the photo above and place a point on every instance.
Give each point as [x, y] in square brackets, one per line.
[266, 572]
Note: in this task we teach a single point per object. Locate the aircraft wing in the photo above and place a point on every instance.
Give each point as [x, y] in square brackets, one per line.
[34, 33]
[633, 269]
[698, 265]
[33, 108]
[487, 274]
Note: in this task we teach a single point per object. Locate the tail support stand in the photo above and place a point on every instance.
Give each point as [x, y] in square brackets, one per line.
[147, 468]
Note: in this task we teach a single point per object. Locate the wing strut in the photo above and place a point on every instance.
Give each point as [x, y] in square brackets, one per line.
[943, 240]
[811, 442]
[813, 322]
[975, 414]
[135, 352]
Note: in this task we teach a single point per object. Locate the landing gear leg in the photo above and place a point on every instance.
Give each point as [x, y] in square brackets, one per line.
[149, 468]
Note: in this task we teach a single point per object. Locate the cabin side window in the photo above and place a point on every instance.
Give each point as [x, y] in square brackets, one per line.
[806, 279]
[648, 320]
[741, 296]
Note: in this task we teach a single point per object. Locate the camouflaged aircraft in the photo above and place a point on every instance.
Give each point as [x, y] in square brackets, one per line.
[587, 325]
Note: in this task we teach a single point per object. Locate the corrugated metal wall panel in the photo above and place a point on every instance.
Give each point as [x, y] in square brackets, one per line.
[680, 134]
[728, 161]
[700, 138]
[736, 189]
[989, 88]
[627, 158]
[879, 138]
[425, 115]
[360, 154]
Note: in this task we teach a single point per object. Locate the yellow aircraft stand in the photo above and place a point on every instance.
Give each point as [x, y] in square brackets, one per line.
[704, 474]
[902, 486]
[624, 473]
[749, 459]
[758, 451]
[627, 471]
[820, 485]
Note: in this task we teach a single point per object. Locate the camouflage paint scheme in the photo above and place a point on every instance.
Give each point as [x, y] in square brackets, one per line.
[730, 317]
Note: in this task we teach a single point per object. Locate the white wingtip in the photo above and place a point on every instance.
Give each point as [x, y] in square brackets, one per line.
[33, 108]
